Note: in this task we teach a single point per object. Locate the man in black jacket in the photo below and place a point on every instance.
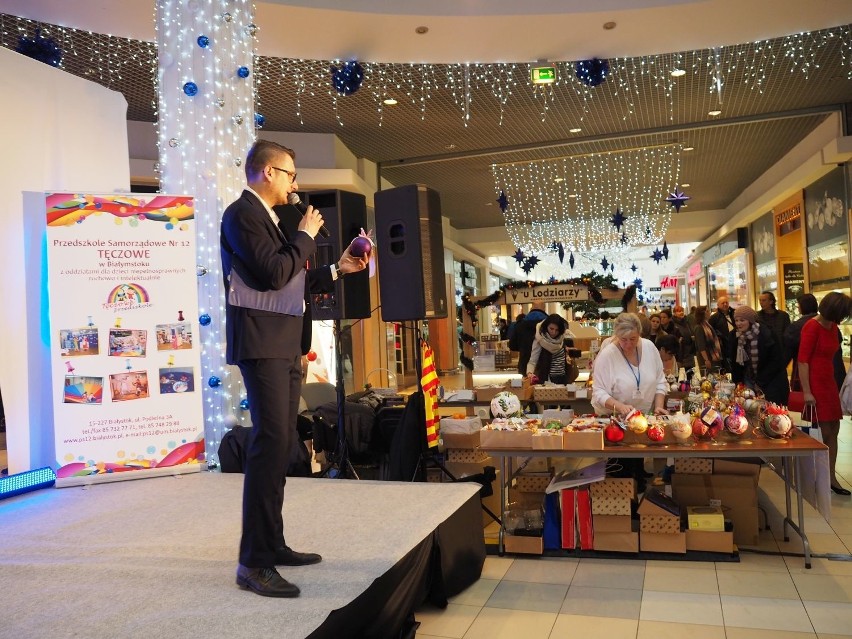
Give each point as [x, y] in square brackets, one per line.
[722, 322]
[524, 335]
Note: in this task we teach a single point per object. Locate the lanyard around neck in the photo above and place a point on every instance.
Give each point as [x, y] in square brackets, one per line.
[637, 375]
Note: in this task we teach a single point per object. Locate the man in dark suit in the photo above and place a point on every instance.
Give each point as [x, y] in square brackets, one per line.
[268, 330]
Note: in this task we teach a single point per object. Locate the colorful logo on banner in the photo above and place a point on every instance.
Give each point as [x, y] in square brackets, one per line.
[123, 293]
[65, 209]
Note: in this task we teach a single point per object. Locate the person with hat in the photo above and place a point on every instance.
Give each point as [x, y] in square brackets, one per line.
[759, 360]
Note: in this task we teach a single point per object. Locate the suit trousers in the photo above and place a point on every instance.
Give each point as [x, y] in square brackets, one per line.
[273, 387]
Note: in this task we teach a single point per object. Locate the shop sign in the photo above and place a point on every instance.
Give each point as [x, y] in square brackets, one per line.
[794, 279]
[694, 272]
[668, 282]
[547, 293]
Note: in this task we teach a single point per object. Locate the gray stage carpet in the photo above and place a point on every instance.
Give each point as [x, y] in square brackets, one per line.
[157, 557]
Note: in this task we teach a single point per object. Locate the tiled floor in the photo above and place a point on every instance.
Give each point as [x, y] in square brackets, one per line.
[764, 596]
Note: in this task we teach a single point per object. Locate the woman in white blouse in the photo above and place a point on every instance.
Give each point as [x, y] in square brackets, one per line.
[628, 372]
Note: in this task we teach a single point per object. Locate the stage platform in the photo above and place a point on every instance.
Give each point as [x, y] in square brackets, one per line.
[157, 557]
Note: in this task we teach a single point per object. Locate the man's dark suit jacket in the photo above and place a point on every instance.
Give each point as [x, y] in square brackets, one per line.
[266, 260]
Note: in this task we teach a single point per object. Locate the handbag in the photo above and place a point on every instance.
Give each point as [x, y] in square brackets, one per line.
[796, 401]
[572, 371]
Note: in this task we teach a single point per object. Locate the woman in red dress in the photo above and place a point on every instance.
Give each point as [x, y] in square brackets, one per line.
[818, 345]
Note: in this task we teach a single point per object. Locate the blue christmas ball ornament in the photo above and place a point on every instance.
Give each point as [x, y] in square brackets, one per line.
[347, 78]
[214, 382]
[204, 319]
[592, 72]
[190, 88]
[243, 72]
[259, 120]
[203, 41]
[244, 404]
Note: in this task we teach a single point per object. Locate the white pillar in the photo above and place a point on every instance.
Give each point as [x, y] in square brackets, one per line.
[205, 131]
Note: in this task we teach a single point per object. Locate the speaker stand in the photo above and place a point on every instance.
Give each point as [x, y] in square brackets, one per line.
[340, 466]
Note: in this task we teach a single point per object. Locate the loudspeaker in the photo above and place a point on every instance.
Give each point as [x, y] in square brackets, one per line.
[742, 237]
[410, 244]
[344, 215]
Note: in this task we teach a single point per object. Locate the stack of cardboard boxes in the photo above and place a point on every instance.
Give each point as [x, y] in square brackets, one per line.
[660, 523]
[611, 505]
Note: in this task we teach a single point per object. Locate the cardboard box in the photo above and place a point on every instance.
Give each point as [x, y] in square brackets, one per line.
[582, 440]
[531, 464]
[466, 469]
[467, 426]
[658, 503]
[484, 362]
[663, 542]
[487, 393]
[542, 393]
[707, 518]
[466, 455]
[710, 541]
[523, 545]
[610, 506]
[505, 438]
[454, 440]
[659, 524]
[617, 541]
[731, 467]
[735, 492]
[614, 487]
[547, 440]
[611, 523]
[693, 465]
[532, 483]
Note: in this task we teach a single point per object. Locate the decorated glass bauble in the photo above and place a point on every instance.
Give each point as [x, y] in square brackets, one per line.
[706, 386]
[748, 393]
[656, 432]
[637, 422]
[699, 428]
[680, 426]
[776, 422]
[506, 404]
[736, 423]
[613, 433]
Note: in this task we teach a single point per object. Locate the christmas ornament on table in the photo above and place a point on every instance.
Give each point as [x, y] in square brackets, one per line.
[506, 404]
[681, 427]
[613, 432]
[736, 423]
[656, 432]
[776, 422]
[636, 422]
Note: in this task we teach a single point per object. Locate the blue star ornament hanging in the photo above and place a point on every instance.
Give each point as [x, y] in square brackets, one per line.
[618, 219]
[503, 201]
[634, 268]
[657, 255]
[665, 250]
[560, 251]
[571, 260]
[624, 238]
[529, 264]
[637, 282]
[677, 199]
[604, 264]
[519, 256]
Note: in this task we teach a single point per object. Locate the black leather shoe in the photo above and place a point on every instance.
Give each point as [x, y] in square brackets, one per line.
[266, 582]
[286, 556]
[839, 490]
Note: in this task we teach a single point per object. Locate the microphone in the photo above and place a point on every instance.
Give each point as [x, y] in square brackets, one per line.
[295, 201]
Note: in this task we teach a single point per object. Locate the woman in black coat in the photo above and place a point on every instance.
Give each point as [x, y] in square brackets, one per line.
[759, 361]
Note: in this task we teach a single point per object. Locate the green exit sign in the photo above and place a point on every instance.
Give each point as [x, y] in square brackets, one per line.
[543, 75]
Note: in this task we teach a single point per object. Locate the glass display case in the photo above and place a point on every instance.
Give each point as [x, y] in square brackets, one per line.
[729, 277]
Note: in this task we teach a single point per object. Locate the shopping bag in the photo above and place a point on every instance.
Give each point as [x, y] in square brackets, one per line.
[796, 401]
[846, 394]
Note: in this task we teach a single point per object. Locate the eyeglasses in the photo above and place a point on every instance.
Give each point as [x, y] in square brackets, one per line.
[290, 174]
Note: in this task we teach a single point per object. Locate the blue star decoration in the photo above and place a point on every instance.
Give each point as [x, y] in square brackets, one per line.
[612, 267]
[529, 264]
[665, 250]
[624, 238]
[677, 199]
[503, 201]
[618, 219]
[637, 282]
[519, 256]
[604, 264]
[571, 260]
[634, 268]
[560, 251]
[551, 279]
[657, 255]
